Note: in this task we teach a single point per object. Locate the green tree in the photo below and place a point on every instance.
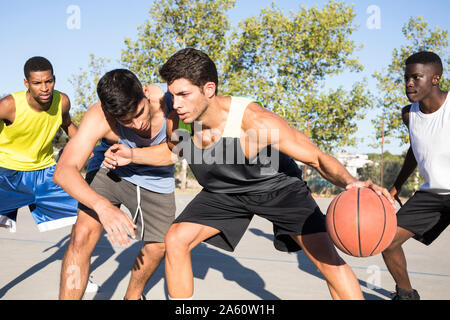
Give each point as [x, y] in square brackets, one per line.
[174, 25]
[85, 84]
[419, 37]
[283, 60]
[392, 165]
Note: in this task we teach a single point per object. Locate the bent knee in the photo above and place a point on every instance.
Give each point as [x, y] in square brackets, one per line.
[85, 235]
[177, 239]
[154, 248]
[401, 236]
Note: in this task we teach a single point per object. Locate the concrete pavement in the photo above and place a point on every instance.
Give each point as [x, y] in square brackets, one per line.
[30, 262]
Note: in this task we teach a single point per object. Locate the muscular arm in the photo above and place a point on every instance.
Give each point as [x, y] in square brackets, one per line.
[159, 155]
[67, 174]
[294, 144]
[76, 153]
[68, 126]
[409, 164]
[7, 109]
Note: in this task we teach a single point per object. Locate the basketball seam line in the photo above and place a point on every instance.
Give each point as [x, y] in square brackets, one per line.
[384, 225]
[334, 226]
[359, 231]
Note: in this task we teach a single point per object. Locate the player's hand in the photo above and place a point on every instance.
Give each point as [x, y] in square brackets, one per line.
[117, 155]
[117, 224]
[369, 184]
[395, 194]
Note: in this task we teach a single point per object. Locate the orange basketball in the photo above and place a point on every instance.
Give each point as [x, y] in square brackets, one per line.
[360, 222]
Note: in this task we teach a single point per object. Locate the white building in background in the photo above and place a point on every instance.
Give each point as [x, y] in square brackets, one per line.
[353, 161]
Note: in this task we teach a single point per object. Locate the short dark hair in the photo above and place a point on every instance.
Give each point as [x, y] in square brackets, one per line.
[36, 64]
[120, 92]
[191, 64]
[426, 57]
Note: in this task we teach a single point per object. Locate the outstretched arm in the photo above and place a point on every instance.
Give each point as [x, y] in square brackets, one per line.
[409, 164]
[159, 155]
[120, 155]
[67, 174]
[298, 146]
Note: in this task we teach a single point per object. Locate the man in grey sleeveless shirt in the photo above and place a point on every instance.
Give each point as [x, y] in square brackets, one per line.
[427, 213]
[133, 115]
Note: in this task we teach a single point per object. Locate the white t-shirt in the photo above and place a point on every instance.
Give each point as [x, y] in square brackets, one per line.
[430, 142]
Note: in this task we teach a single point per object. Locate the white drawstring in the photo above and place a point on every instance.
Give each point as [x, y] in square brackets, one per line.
[139, 210]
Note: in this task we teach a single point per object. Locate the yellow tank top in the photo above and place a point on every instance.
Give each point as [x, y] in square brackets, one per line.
[26, 144]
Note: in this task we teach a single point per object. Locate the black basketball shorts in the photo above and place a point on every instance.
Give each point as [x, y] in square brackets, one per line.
[292, 211]
[426, 215]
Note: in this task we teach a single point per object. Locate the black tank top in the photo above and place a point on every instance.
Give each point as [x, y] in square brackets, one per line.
[223, 167]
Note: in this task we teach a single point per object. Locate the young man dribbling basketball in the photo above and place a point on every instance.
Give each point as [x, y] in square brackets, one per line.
[427, 213]
[242, 155]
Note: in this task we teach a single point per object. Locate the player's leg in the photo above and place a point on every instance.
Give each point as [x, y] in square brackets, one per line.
[420, 217]
[218, 219]
[15, 192]
[53, 207]
[341, 280]
[153, 214]
[146, 263]
[84, 237]
[180, 240]
[395, 259]
[76, 262]
[299, 224]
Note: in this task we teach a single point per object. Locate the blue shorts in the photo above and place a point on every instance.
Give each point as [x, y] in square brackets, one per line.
[50, 206]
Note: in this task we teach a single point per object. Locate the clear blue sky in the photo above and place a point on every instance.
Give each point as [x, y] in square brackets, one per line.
[29, 28]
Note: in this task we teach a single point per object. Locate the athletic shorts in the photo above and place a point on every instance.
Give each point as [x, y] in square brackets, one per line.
[426, 215]
[51, 207]
[292, 211]
[157, 210]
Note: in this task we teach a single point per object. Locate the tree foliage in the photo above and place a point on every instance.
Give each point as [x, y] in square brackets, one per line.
[281, 59]
[392, 165]
[85, 84]
[174, 25]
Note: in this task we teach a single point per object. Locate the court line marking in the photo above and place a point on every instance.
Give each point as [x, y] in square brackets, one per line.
[235, 257]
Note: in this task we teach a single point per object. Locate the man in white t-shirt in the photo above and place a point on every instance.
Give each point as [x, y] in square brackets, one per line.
[427, 213]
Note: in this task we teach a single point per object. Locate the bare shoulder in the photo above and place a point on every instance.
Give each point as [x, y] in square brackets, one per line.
[94, 120]
[257, 117]
[7, 101]
[405, 114]
[65, 101]
[153, 92]
[153, 88]
[7, 108]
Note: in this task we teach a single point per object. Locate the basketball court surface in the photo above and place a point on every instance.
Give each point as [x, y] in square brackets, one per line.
[31, 262]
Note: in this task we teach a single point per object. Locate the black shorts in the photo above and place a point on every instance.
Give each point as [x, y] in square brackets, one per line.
[426, 215]
[292, 211]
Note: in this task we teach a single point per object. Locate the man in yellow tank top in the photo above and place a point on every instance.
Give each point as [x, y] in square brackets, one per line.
[29, 121]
